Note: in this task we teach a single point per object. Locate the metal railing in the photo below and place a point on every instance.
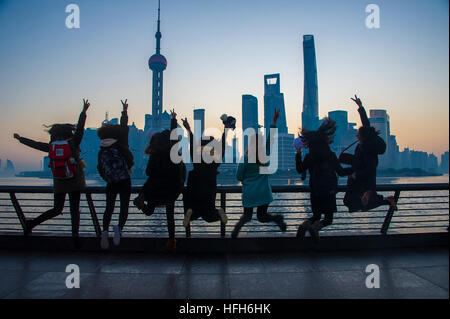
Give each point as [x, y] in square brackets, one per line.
[422, 208]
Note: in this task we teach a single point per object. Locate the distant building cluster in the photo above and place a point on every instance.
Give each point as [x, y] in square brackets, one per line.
[273, 100]
[8, 170]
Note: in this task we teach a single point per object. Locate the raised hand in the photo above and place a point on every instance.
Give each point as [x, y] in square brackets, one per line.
[174, 115]
[357, 100]
[86, 105]
[276, 115]
[124, 104]
[16, 136]
[186, 124]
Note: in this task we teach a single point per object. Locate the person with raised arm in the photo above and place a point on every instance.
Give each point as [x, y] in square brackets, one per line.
[361, 184]
[256, 190]
[115, 162]
[165, 180]
[199, 198]
[67, 169]
[322, 165]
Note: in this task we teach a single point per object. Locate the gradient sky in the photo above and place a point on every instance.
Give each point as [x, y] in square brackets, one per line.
[218, 50]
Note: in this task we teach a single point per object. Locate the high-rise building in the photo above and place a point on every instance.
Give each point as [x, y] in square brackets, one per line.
[310, 113]
[157, 121]
[444, 163]
[199, 119]
[274, 99]
[249, 115]
[379, 119]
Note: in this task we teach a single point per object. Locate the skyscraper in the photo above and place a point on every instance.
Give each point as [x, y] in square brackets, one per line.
[274, 99]
[310, 114]
[379, 119]
[157, 63]
[249, 115]
[199, 118]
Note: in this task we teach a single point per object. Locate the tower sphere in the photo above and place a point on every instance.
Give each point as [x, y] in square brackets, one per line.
[157, 62]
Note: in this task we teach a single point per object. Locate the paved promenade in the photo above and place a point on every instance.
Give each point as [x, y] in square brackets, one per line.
[404, 273]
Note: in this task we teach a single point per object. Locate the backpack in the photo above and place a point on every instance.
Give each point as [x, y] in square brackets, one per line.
[62, 163]
[323, 179]
[112, 165]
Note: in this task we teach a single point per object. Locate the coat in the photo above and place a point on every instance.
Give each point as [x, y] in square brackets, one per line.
[256, 190]
[121, 144]
[201, 189]
[78, 182]
[165, 179]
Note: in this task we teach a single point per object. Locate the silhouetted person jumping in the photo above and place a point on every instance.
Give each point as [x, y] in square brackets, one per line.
[322, 165]
[115, 162]
[361, 184]
[256, 190]
[67, 169]
[199, 198]
[165, 179]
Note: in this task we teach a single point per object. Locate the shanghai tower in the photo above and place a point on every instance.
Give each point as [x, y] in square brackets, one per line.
[157, 63]
[310, 114]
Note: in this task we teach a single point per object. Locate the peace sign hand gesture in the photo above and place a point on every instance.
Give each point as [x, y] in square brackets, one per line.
[186, 124]
[124, 105]
[357, 100]
[86, 105]
[174, 115]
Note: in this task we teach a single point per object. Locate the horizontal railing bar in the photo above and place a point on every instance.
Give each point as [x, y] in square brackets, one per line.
[236, 189]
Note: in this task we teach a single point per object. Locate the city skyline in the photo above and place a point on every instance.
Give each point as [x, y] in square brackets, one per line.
[404, 102]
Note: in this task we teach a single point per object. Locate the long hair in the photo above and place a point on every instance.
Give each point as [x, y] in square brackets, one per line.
[319, 141]
[60, 131]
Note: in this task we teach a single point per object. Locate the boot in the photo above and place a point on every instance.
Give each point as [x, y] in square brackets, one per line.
[314, 230]
[392, 203]
[139, 202]
[303, 228]
[223, 215]
[187, 218]
[280, 222]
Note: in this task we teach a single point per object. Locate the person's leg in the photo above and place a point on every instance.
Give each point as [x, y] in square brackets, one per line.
[328, 220]
[111, 195]
[58, 206]
[211, 215]
[125, 194]
[264, 217]
[74, 199]
[378, 200]
[245, 218]
[170, 212]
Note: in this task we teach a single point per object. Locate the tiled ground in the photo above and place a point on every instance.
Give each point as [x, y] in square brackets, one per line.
[404, 273]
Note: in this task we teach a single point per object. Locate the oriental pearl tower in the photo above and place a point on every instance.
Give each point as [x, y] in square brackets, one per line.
[157, 63]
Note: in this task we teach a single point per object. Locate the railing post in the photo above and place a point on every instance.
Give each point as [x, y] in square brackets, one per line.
[94, 217]
[390, 213]
[18, 210]
[223, 203]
